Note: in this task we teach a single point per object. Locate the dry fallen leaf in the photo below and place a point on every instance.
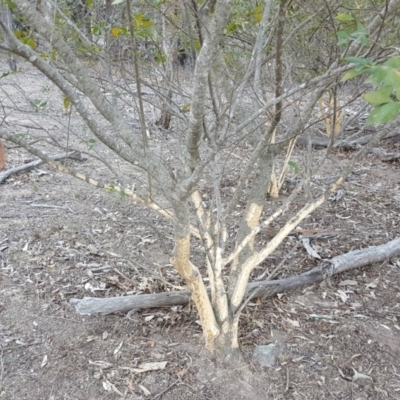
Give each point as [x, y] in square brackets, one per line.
[118, 348]
[101, 364]
[373, 284]
[294, 323]
[310, 250]
[343, 296]
[130, 384]
[150, 366]
[91, 338]
[358, 375]
[44, 361]
[144, 390]
[107, 385]
[348, 282]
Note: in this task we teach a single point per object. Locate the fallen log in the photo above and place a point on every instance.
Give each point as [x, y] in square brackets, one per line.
[353, 259]
[385, 156]
[318, 141]
[11, 171]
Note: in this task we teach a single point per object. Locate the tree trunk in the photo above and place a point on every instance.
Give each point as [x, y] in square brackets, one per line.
[226, 345]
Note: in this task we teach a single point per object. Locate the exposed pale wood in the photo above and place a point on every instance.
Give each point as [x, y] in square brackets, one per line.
[327, 268]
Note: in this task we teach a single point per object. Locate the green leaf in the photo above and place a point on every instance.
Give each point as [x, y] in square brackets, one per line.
[364, 41]
[343, 37]
[28, 41]
[258, 14]
[10, 5]
[342, 17]
[294, 166]
[361, 30]
[96, 30]
[359, 61]
[91, 143]
[393, 62]
[38, 105]
[144, 26]
[66, 102]
[384, 113]
[19, 34]
[233, 27]
[378, 76]
[4, 74]
[117, 2]
[116, 31]
[392, 78]
[138, 19]
[186, 107]
[197, 44]
[381, 96]
[160, 57]
[351, 74]
[382, 75]
[361, 34]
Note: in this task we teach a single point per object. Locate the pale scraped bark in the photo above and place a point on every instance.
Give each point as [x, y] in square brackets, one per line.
[198, 290]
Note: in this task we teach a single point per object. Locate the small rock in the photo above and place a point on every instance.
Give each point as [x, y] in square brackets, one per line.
[266, 355]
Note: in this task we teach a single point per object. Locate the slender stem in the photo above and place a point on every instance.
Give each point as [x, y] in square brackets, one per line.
[142, 118]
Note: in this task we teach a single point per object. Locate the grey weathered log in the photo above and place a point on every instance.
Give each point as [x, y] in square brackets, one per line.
[318, 141]
[327, 268]
[11, 171]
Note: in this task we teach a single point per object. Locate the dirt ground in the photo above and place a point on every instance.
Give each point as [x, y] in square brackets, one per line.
[61, 238]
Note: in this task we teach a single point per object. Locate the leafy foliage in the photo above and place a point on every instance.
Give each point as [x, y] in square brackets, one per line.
[350, 30]
[385, 78]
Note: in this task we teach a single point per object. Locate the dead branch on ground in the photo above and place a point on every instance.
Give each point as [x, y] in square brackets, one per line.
[327, 268]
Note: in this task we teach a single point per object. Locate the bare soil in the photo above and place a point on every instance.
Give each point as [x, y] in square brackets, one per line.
[61, 238]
